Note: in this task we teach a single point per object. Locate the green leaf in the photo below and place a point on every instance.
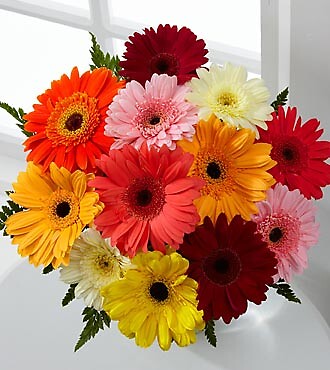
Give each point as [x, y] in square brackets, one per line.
[94, 322]
[48, 269]
[281, 99]
[284, 289]
[70, 295]
[210, 333]
[18, 115]
[103, 60]
[7, 211]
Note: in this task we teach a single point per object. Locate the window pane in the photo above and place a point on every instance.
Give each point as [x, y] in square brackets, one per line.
[35, 52]
[81, 4]
[233, 22]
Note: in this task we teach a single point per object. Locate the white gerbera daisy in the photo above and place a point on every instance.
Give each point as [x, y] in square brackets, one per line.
[228, 94]
[94, 263]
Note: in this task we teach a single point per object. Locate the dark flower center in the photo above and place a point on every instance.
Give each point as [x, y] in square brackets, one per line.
[222, 267]
[74, 122]
[154, 121]
[63, 209]
[288, 154]
[159, 291]
[164, 63]
[143, 197]
[213, 170]
[275, 234]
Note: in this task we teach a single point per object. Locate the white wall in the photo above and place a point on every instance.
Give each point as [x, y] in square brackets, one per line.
[310, 92]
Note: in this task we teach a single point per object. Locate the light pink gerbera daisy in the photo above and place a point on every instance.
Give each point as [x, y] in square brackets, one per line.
[148, 198]
[157, 114]
[286, 221]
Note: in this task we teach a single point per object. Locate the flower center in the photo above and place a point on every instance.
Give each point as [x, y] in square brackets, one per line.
[227, 99]
[281, 232]
[222, 267]
[159, 291]
[290, 154]
[144, 198]
[155, 116]
[62, 209]
[73, 120]
[217, 171]
[213, 170]
[104, 263]
[164, 63]
[275, 234]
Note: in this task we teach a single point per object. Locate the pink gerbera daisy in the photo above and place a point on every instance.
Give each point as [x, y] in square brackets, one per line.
[157, 114]
[286, 221]
[148, 198]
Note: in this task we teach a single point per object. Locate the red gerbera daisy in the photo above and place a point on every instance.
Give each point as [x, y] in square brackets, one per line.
[68, 123]
[148, 197]
[231, 264]
[299, 154]
[168, 51]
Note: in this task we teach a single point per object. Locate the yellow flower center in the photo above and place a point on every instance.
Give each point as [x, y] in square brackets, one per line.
[217, 170]
[227, 99]
[62, 209]
[159, 292]
[105, 264]
[73, 120]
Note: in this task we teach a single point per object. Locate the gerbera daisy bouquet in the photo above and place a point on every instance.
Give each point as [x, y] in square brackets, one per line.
[167, 191]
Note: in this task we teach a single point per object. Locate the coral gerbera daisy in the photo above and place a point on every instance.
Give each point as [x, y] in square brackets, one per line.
[286, 222]
[148, 196]
[231, 264]
[68, 124]
[226, 93]
[59, 205]
[94, 263]
[168, 50]
[156, 299]
[158, 114]
[233, 167]
[299, 154]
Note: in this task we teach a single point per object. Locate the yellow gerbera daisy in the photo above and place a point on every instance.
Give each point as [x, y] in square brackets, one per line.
[228, 94]
[156, 299]
[234, 168]
[59, 205]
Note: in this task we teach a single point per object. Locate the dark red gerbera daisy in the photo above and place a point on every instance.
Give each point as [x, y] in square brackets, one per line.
[299, 154]
[168, 51]
[231, 264]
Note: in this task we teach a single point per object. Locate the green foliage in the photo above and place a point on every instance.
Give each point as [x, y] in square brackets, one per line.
[281, 99]
[8, 210]
[103, 60]
[284, 289]
[48, 269]
[210, 333]
[95, 321]
[70, 296]
[18, 115]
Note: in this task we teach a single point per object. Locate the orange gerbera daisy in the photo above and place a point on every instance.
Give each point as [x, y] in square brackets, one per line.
[68, 124]
[233, 167]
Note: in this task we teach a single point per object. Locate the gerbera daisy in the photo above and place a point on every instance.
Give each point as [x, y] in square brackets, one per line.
[68, 124]
[231, 264]
[233, 167]
[286, 222]
[299, 154]
[226, 93]
[59, 205]
[157, 114]
[156, 299]
[148, 197]
[167, 50]
[94, 263]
